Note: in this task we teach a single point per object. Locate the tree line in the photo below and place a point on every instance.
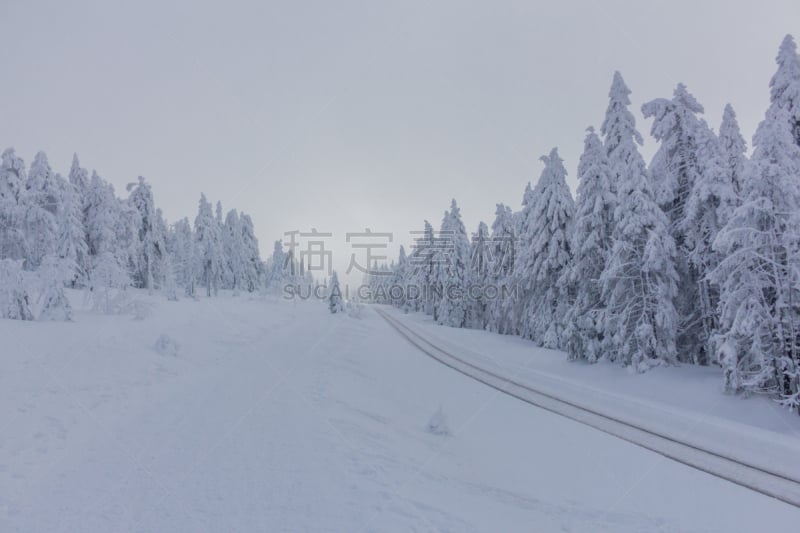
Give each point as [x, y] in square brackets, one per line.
[694, 258]
[61, 232]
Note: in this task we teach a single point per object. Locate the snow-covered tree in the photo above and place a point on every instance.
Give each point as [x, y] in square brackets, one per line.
[150, 261]
[759, 275]
[399, 281]
[40, 201]
[451, 269]
[13, 243]
[252, 267]
[335, 301]
[675, 171]
[544, 254]
[279, 270]
[591, 245]
[422, 271]
[500, 281]
[232, 246]
[71, 247]
[785, 86]
[479, 276]
[208, 247]
[733, 148]
[108, 260]
[639, 280]
[182, 250]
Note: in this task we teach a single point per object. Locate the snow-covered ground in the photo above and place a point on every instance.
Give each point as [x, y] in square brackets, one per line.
[240, 414]
[686, 402]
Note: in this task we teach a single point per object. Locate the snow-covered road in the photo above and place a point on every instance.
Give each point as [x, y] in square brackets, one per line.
[281, 417]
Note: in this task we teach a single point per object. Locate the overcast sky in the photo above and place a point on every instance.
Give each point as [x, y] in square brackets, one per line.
[348, 115]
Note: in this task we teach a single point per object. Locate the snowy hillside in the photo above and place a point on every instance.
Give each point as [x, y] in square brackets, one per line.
[249, 414]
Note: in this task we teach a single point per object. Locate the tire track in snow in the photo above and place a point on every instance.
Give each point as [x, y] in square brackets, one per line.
[761, 480]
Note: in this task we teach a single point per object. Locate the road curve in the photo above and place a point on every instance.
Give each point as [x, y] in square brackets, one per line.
[761, 480]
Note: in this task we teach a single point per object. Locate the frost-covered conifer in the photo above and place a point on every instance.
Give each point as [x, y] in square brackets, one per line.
[639, 280]
[544, 254]
[500, 281]
[591, 246]
[208, 247]
[759, 275]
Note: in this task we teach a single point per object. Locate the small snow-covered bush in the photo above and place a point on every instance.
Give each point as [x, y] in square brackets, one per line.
[50, 278]
[354, 308]
[14, 299]
[166, 345]
[438, 425]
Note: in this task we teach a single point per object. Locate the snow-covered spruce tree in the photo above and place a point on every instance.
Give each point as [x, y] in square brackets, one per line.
[639, 280]
[503, 247]
[478, 278]
[785, 85]
[71, 247]
[278, 275]
[208, 247]
[523, 220]
[708, 208]
[422, 271]
[252, 267]
[13, 244]
[544, 254]
[674, 172]
[399, 274]
[335, 302]
[108, 260]
[40, 202]
[591, 245]
[149, 268]
[733, 148]
[182, 244]
[759, 275]
[233, 248]
[452, 269]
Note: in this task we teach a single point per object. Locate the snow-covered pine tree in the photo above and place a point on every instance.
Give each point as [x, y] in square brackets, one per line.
[208, 247]
[523, 227]
[674, 171]
[785, 85]
[182, 249]
[233, 248]
[544, 254]
[149, 246]
[278, 275]
[40, 201]
[78, 176]
[759, 275]
[503, 243]
[479, 276]
[108, 259]
[452, 269]
[71, 247]
[422, 270]
[708, 208]
[398, 283]
[591, 246]
[335, 301]
[639, 280]
[733, 148]
[252, 267]
[13, 244]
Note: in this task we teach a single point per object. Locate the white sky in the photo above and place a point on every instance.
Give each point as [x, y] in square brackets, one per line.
[347, 115]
